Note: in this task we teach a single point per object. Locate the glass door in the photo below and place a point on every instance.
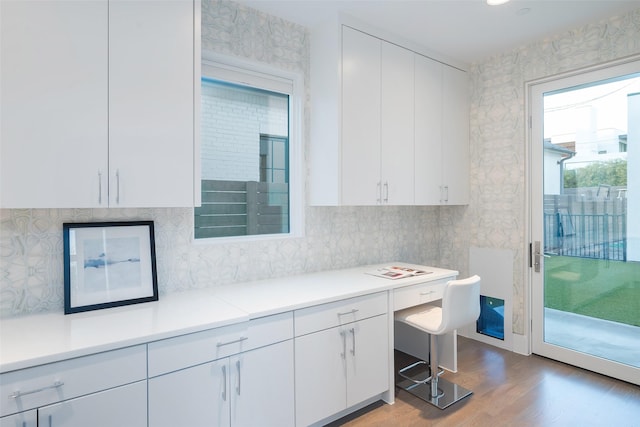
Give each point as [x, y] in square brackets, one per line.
[585, 220]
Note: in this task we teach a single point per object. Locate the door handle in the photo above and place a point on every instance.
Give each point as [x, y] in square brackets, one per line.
[536, 256]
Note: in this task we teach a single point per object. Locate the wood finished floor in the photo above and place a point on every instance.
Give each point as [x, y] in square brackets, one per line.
[512, 390]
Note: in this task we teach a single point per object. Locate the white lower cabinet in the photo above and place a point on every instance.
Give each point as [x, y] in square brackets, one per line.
[23, 419]
[342, 366]
[239, 385]
[102, 390]
[120, 406]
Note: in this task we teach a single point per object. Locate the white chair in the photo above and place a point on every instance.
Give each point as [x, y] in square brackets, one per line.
[460, 307]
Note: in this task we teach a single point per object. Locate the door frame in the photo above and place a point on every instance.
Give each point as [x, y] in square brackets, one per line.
[533, 105]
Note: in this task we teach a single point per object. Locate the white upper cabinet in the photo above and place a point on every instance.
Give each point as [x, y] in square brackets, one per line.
[360, 118]
[396, 124]
[97, 103]
[441, 134]
[54, 100]
[428, 131]
[389, 126]
[455, 137]
[151, 101]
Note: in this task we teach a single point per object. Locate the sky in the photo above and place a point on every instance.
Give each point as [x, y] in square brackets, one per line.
[607, 103]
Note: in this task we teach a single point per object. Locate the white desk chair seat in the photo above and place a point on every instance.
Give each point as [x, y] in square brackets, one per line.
[460, 307]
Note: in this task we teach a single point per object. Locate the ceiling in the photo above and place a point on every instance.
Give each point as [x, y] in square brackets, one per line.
[464, 30]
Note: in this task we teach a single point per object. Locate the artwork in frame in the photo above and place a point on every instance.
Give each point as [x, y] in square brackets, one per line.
[108, 264]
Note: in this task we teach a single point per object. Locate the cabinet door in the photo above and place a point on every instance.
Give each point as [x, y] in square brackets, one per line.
[53, 80]
[23, 419]
[367, 358]
[455, 137]
[151, 103]
[262, 387]
[360, 169]
[396, 124]
[197, 396]
[320, 375]
[117, 407]
[428, 131]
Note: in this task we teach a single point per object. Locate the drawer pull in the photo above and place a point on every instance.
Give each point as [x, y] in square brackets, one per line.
[353, 336]
[354, 311]
[222, 344]
[224, 383]
[427, 293]
[18, 394]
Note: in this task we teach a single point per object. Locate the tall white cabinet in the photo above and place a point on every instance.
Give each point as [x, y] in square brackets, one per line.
[377, 121]
[360, 169]
[441, 134]
[54, 101]
[97, 103]
[390, 127]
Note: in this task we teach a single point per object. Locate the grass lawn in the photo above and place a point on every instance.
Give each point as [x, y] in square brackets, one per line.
[607, 290]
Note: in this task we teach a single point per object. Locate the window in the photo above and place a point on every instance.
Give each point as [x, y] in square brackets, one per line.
[249, 154]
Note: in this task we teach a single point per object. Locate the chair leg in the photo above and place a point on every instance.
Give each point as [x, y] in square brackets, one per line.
[436, 391]
[433, 362]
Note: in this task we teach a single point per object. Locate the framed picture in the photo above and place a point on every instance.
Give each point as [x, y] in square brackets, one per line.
[108, 264]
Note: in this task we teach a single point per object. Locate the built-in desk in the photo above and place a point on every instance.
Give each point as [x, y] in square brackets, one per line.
[293, 312]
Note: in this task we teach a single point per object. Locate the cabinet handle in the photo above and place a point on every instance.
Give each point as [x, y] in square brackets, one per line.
[427, 293]
[118, 186]
[18, 394]
[99, 187]
[354, 311]
[224, 383]
[353, 336]
[239, 379]
[222, 344]
[344, 345]
[386, 192]
[446, 193]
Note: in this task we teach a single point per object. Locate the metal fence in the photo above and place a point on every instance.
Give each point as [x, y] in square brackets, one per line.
[586, 227]
[240, 208]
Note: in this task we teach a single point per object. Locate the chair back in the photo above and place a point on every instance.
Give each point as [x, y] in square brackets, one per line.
[460, 303]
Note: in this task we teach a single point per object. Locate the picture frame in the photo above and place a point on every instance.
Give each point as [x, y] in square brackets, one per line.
[108, 264]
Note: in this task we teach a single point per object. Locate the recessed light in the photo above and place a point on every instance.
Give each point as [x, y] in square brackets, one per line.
[496, 2]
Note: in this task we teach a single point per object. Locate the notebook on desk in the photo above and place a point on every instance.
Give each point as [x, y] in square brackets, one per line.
[394, 272]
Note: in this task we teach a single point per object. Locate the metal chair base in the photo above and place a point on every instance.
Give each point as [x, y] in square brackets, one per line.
[448, 392]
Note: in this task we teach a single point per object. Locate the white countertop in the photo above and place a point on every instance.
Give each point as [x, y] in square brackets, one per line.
[44, 338]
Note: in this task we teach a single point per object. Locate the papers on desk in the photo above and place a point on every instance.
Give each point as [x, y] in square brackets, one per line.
[393, 272]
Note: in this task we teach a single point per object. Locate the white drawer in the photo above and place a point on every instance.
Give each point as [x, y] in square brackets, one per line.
[42, 385]
[201, 347]
[325, 316]
[421, 293]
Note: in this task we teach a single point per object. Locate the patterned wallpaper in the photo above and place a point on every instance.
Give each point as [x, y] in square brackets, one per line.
[496, 214]
[336, 237]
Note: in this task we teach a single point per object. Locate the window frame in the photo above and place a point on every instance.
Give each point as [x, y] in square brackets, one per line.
[251, 74]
